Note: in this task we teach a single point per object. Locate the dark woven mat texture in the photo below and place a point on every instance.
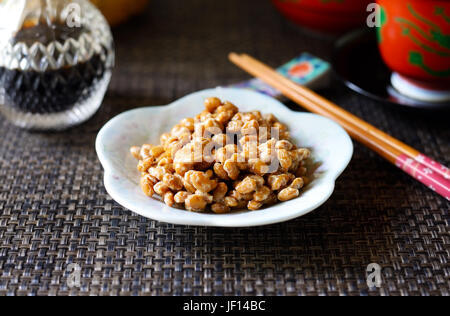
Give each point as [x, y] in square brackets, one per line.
[54, 210]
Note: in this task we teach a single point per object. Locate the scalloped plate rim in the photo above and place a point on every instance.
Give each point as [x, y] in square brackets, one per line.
[322, 187]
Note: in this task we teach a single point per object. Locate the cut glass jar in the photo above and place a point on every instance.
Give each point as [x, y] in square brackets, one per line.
[56, 58]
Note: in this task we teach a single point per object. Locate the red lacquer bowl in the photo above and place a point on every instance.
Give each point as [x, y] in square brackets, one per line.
[331, 16]
[414, 40]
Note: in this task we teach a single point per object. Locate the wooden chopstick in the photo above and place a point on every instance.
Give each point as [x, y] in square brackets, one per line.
[385, 145]
[340, 112]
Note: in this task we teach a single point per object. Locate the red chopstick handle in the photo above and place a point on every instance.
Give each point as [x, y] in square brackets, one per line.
[434, 165]
[423, 173]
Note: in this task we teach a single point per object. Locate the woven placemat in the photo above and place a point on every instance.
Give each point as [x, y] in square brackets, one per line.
[56, 217]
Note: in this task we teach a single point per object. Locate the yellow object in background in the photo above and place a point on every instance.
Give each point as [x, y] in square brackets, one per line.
[117, 11]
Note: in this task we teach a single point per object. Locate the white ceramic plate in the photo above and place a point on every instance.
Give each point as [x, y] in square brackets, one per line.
[331, 146]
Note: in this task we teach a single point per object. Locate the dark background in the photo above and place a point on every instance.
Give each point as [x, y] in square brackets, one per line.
[55, 211]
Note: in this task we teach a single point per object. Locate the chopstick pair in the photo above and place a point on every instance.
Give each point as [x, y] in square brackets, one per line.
[424, 169]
